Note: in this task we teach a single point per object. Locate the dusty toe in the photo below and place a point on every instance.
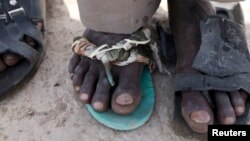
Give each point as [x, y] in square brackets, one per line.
[127, 94]
[225, 110]
[89, 83]
[196, 111]
[101, 98]
[238, 103]
[79, 74]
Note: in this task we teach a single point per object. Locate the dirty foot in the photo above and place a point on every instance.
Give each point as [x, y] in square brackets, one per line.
[9, 59]
[90, 81]
[196, 110]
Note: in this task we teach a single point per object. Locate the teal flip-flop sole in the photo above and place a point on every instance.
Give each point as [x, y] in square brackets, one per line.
[136, 119]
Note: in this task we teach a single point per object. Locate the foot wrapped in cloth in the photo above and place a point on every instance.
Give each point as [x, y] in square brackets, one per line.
[139, 47]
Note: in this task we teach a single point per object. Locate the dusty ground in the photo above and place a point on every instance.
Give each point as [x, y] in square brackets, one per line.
[46, 108]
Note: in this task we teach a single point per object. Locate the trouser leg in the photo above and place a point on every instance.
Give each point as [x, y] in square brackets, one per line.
[116, 16]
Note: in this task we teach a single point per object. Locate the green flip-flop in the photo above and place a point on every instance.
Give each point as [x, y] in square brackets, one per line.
[136, 119]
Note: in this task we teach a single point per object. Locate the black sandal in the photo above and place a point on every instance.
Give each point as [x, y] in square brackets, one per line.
[18, 20]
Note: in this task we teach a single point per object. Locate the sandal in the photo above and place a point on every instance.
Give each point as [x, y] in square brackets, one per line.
[17, 21]
[223, 59]
[123, 53]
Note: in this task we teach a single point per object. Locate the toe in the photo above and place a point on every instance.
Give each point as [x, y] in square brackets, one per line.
[196, 111]
[30, 41]
[127, 94]
[101, 97]
[79, 73]
[89, 84]
[10, 59]
[74, 61]
[2, 65]
[238, 103]
[225, 111]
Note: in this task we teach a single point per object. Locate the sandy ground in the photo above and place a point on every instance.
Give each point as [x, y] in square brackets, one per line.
[47, 109]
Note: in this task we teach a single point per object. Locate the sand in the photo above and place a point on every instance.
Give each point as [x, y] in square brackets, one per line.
[47, 109]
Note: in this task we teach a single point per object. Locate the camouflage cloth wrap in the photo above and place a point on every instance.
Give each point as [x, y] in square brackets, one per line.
[139, 47]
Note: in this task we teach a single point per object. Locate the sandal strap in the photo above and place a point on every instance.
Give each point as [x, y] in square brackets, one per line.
[122, 53]
[20, 48]
[3, 16]
[20, 25]
[31, 9]
[22, 12]
[200, 82]
[223, 50]
[34, 9]
[12, 8]
[85, 48]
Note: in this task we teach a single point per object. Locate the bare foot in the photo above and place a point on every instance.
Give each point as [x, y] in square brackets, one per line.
[185, 23]
[90, 81]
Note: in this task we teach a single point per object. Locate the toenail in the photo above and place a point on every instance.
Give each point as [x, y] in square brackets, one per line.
[124, 99]
[240, 109]
[98, 105]
[200, 117]
[9, 58]
[84, 97]
[77, 88]
[229, 120]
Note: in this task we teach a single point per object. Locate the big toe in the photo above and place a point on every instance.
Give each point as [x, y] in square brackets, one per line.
[127, 94]
[196, 111]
